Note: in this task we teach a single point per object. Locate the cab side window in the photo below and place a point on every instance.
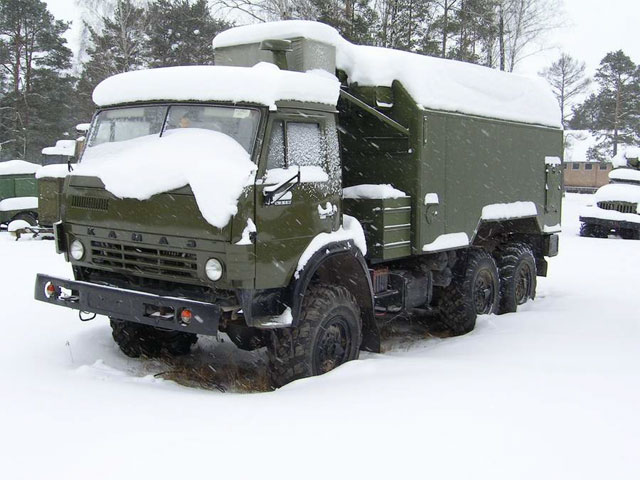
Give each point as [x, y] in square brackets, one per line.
[295, 144]
[304, 144]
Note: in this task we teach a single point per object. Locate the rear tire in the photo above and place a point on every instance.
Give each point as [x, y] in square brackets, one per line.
[474, 290]
[517, 268]
[137, 340]
[630, 234]
[30, 217]
[328, 334]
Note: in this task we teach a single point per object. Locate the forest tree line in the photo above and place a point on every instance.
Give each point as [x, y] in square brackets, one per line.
[42, 95]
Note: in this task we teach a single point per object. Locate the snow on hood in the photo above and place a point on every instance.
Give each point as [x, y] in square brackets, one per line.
[59, 170]
[264, 84]
[432, 82]
[215, 166]
[618, 192]
[18, 167]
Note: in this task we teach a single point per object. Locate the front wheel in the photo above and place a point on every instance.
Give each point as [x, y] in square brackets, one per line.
[327, 335]
[593, 230]
[137, 340]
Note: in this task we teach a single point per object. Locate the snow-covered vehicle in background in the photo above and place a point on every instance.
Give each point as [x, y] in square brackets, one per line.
[617, 204]
[18, 193]
[302, 188]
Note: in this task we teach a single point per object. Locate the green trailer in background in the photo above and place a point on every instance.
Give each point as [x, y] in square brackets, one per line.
[18, 192]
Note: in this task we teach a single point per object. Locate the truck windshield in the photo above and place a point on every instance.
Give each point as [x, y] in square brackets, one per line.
[123, 124]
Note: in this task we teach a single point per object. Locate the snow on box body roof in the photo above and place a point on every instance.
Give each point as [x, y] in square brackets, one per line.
[434, 83]
[264, 84]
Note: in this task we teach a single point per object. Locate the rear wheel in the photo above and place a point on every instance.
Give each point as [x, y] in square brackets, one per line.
[630, 234]
[30, 217]
[474, 290]
[517, 268]
[137, 340]
[328, 334]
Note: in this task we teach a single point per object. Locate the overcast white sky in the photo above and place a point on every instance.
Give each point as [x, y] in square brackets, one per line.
[594, 27]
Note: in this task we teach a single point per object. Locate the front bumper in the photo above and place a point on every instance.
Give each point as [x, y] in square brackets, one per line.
[131, 305]
[611, 224]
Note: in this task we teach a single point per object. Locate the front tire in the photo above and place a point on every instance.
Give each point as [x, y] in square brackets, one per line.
[474, 290]
[592, 230]
[517, 268]
[327, 335]
[137, 340]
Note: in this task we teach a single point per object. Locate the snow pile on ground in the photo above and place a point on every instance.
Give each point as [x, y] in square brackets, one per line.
[18, 203]
[59, 170]
[549, 392]
[66, 148]
[264, 84]
[432, 82]
[350, 231]
[503, 211]
[618, 192]
[367, 191]
[625, 174]
[215, 166]
[18, 167]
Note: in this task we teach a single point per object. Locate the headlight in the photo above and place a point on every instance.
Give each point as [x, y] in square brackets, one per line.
[213, 269]
[76, 250]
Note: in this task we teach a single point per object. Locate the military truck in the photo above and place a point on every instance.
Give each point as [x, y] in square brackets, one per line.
[18, 192]
[302, 189]
[617, 204]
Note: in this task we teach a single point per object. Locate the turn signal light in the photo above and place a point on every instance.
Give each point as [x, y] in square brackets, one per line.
[50, 290]
[186, 316]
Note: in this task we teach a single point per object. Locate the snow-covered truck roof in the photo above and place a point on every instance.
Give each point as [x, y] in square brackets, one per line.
[434, 83]
[625, 174]
[18, 167]
[264, 84]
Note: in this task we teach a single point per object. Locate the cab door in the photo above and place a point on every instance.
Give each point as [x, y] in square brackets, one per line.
[297, 191]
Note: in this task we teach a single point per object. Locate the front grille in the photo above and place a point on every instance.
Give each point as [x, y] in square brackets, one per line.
[144, 260]
[622, 207]
[89, 203]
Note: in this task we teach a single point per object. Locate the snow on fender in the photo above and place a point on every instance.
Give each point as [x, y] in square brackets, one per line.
[351, 230]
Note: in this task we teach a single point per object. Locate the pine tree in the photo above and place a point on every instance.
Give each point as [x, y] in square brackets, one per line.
[34, 56]
[567, 79]
[179, 32]
[118, 46]
[616, 105]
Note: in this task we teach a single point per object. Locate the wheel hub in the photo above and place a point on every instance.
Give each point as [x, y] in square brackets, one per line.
[333, 346]
[483, 293]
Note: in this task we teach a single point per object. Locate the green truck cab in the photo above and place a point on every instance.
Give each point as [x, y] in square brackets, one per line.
[328, 202]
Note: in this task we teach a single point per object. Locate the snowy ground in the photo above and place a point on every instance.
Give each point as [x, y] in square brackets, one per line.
[551, 392]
